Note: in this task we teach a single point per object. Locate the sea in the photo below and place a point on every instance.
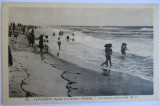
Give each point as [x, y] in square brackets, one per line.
[90, 40]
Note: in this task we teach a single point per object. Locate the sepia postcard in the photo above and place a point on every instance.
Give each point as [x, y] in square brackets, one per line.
[78, 53]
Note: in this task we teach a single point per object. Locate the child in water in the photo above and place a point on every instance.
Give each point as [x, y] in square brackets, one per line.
[108, 53]
[46, 41]
[59, 43]
[67, 38]
[54, 34]
[124, 48]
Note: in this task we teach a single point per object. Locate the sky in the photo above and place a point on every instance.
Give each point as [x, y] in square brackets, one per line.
[82, 17]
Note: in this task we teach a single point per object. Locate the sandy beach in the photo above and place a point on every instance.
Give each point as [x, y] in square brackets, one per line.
[32, 76]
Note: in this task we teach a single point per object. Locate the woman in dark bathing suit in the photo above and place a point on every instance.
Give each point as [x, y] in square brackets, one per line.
[124, 48]
[108, 53]
[41, 43]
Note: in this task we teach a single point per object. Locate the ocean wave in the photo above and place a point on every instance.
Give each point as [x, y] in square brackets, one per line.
[91, 50]
[146, 29]
[111, 28]
[135, 35]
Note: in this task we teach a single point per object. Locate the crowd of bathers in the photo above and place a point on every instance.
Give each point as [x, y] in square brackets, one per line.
[15, 30]
[28, 31]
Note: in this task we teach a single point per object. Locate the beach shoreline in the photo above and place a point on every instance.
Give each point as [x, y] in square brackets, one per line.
[87, 49]
[30, 76]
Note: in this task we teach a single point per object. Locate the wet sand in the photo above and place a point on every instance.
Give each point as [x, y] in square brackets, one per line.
[30, 76]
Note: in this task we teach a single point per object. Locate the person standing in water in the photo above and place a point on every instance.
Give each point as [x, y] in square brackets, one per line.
[54, 34]
[59, 43]
[72, 34]
[124, 48]
[108, 53]
[67, 38]
[60, 33]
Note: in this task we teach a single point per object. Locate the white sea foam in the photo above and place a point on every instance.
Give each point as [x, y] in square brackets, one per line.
[146, 29]
[139, 60]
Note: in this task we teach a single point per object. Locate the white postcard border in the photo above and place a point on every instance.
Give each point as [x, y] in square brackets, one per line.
[40, 100]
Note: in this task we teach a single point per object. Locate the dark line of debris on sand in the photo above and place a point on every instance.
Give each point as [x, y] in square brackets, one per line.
[69, 84]
[28, 94]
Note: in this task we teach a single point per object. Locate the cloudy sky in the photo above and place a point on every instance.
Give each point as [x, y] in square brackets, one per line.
[82, 17]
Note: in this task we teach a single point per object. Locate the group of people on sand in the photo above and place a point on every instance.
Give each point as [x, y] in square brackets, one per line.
[43, 43]
[108, 53]
[30, 36]
[28, 31]
[15, 29]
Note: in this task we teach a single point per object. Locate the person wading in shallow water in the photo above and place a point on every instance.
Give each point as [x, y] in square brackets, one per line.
[67, 38]
[54, 34]
[108, 53]
[59, 43]
[124, 48]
